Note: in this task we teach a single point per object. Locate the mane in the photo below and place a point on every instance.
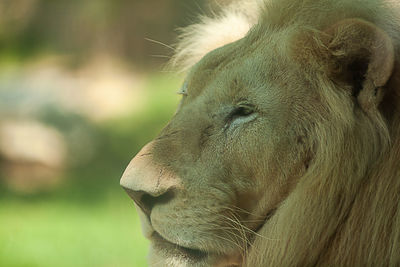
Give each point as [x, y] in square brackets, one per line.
[345, 210]
[224, 26]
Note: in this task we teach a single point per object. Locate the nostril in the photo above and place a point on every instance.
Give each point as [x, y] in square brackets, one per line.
[146, 201]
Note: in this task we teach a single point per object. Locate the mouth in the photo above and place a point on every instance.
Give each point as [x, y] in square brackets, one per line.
[193, 257]
[197, 257]
[190, 253]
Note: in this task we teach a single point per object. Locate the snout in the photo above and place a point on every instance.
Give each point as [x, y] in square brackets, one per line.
[147, 182]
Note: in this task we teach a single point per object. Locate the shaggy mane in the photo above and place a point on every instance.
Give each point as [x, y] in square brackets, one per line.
[225, 26]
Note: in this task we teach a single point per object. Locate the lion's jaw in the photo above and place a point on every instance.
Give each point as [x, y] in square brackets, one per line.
[168, 248]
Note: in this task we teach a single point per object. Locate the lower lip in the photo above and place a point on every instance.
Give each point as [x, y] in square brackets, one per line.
[189, 252]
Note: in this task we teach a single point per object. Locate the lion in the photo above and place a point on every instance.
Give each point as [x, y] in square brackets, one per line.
[285, 148]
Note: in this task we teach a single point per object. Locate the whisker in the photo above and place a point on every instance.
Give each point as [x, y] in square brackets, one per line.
[238, 232]
[160, 43]
[230, 230]
[232, 207]
[237, 222]
[228, 240]
[251, 221]
[161, 56]
[243, 230]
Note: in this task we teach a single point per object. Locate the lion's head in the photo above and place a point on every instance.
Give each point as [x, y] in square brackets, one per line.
[285, 148]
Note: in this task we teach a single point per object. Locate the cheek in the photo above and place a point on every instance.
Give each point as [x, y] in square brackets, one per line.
[247, 160]
[266, 166]
[252, 153]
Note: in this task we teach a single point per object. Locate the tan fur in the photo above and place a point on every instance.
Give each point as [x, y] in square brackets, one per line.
[313, 167]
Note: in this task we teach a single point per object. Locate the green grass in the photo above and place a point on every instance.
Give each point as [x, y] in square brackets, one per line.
[58, 233]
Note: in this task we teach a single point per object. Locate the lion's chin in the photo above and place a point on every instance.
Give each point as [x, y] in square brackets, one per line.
[190, 253]
[165, 253]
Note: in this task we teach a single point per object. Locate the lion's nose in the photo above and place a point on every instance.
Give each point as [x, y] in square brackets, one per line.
[147, 182]
[146, 201]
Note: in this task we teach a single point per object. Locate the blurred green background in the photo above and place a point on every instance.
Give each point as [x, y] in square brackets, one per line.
[82, 89]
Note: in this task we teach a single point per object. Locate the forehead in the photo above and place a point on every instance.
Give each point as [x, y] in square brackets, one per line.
[249, 61]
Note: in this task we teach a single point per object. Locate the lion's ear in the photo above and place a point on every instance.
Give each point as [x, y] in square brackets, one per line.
[360, 55]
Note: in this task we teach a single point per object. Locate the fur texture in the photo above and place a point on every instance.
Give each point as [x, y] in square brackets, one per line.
[285, 150]
[227, 25]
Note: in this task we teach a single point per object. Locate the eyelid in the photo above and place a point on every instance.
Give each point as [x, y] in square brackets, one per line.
[244, 105]
[233, 123]
[234, 112]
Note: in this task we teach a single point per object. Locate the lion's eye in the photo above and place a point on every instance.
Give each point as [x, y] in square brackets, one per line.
[242, 111]
[239, 116]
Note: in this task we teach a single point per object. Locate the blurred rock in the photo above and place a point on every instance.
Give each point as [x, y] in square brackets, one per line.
[108, 90]
[30, 141]
[101, 90]
[33, 155]
[48, 113]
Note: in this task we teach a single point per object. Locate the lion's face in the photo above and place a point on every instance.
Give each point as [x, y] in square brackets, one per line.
[284, 150]
[227, 158]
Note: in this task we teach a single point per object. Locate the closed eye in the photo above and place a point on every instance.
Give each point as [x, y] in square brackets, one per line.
[241, 111]
[239, 116]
